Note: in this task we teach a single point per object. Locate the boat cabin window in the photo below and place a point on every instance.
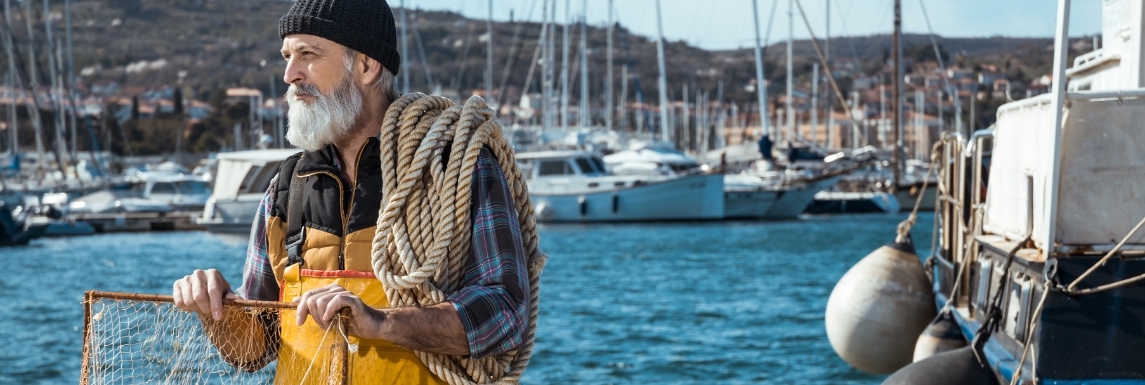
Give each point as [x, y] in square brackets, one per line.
[164, 188]
[194, 187]
[585, 166]
[599, 164]
[554, 167]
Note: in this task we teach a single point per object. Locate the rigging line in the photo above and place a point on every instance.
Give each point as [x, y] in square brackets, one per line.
[767, 43]
[635, 80]
[464, 59]
[878, 43]
[937, 54]
[513, 52]
[823, 61]
[536, 54]
[421, 53]
[840, 13]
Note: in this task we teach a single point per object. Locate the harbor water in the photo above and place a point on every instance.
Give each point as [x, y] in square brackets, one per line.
[688, 303]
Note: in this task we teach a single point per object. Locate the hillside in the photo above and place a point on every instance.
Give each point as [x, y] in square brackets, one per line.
[234, 43]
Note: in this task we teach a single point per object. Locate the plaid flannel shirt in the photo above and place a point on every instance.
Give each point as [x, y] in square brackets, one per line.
[493, 301]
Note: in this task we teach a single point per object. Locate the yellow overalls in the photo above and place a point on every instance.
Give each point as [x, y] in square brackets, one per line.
[375, 362]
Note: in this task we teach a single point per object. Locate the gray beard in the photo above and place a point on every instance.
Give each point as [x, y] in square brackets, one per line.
[327, 119]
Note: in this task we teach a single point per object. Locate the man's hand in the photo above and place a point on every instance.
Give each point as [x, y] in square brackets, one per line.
[203, 292]
[322, 304]
[436, 328]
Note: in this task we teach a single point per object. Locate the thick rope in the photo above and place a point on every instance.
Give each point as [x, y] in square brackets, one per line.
[423, 234]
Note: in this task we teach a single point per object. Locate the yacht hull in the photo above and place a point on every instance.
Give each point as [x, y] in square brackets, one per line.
[231, 216]
[769, 203]
[693, 197]
[908, 195]
[854, 203]
[794, 201]
[749, 204]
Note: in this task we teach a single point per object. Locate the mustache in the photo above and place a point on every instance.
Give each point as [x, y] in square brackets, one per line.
[302, 89]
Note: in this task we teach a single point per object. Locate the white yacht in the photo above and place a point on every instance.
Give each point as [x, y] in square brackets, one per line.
[241, 181]
[151, 192]
[756, 189]
[572, 186]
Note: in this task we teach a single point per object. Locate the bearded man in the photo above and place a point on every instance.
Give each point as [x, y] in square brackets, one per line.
[310, 241]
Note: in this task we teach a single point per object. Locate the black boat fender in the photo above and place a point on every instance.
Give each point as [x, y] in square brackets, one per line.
[942, 335]
[955, 367]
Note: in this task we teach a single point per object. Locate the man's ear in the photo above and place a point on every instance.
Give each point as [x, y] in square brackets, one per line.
[371, 69]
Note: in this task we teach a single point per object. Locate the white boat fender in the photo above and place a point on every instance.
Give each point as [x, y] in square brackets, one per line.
[955, 367]
[878, 309]
[942, 335]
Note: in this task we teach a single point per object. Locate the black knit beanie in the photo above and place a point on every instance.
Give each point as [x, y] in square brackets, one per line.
[366, 26]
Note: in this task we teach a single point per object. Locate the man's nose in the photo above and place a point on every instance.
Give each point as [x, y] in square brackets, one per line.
[295, 72]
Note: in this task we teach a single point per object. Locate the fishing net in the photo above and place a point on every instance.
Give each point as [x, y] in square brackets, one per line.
[145, 339]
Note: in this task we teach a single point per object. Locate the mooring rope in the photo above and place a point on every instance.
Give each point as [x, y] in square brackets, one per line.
[905, 226]
[422, 239]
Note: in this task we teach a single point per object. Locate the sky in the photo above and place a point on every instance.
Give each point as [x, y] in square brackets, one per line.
[727, 24]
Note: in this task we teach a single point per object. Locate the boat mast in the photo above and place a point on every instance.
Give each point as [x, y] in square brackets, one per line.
[663, 76]
[897, 96]
[623, 114]
[919, 124]
[1052, 158]
[787, 131]
[761, 82]
[583, 114]
[830, 96]
[687, 116]
[551, 64]
[71, 84]
[404, 70]
[882, 114]
[608, 77]
[489, 59]
[565, 69]
[13, 130]
[53, 94]
[33, 85]
[814, 100]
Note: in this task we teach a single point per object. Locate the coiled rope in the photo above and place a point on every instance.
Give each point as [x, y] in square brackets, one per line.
[422, 239]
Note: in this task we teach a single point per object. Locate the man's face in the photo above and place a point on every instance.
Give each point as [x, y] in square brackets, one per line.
[313, 60]
[324, 101]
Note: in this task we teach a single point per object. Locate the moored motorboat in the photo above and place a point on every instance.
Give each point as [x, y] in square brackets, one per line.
[570, 186]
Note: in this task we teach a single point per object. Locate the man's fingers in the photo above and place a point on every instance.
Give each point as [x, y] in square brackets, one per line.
[177, 295]
[317, 308]
[322, 304]
[216, 287]
[335, 305]
[185, 293]
[199, 292]
[302, 308]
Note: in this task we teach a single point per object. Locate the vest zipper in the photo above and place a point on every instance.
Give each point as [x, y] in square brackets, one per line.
[341, 207]
[346, 217]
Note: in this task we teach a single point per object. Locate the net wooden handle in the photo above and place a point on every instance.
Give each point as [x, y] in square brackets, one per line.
[94, 294]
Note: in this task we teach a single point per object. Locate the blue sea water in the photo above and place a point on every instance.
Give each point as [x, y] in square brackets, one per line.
[686, 303]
